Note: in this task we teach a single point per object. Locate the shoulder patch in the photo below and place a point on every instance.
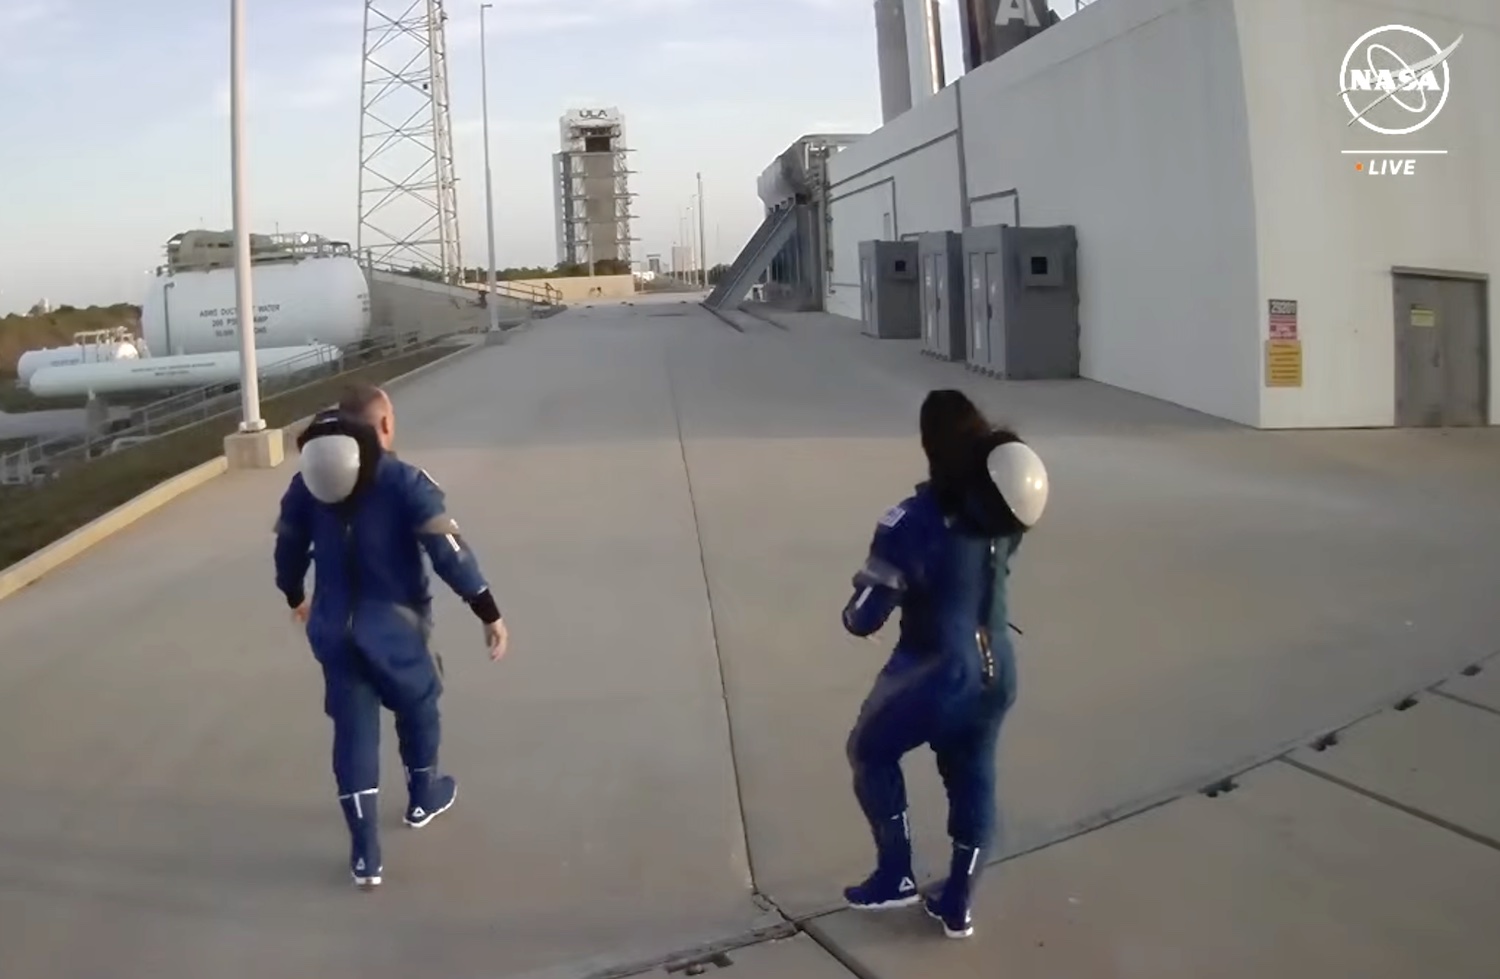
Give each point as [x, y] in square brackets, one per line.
[428, 476]
[893, 516]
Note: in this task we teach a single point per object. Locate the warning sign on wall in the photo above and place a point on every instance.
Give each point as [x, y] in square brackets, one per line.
[1283, 363]
[1283, 319]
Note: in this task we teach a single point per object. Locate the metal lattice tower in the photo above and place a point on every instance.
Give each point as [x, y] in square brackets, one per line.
[408, 199]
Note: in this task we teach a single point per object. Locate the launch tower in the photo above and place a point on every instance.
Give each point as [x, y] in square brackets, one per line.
[591, 188]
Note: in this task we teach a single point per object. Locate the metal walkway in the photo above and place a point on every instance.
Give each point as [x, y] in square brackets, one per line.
[669, 511]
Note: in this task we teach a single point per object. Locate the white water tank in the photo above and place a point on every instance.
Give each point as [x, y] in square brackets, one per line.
[314, 300]
[164, 373]
[79, 353]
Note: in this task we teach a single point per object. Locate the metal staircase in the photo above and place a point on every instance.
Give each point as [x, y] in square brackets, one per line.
[769, 239]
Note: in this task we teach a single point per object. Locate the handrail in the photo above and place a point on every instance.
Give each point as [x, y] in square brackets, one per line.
[199, 404]
[544, 294]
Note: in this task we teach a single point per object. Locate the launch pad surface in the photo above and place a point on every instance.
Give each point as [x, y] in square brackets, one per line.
[669, 511]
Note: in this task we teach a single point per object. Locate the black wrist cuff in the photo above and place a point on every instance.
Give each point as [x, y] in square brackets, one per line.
[295, 599]
[483, 605]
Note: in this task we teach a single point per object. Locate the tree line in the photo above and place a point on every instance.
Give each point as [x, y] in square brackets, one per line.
[567, 270]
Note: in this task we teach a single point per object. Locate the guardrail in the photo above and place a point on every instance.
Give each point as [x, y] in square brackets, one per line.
[544, 294]
[44, 460]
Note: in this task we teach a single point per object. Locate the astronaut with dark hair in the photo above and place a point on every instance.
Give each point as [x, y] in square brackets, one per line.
[942, 557]
[362, 519]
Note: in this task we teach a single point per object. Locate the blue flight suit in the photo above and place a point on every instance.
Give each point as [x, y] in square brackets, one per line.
[371, 609]
[948, 684]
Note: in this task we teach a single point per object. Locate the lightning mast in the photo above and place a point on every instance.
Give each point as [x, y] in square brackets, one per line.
[408, 198]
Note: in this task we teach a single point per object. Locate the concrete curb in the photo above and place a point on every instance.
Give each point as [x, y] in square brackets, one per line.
[59, 552]
[28, 570]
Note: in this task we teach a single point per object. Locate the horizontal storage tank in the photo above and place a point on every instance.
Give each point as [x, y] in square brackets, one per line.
[164, 373]
[79, 353]
[314, 300]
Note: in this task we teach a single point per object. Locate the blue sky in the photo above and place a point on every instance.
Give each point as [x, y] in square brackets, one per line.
[114, 130]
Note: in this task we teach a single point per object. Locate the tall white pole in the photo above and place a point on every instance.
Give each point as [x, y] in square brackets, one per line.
[489, 185]
[244, 296]
[702, 238]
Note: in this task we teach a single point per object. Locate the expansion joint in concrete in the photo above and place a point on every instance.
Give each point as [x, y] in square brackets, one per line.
[687, 475]
[699, 959]
[1465, 701]
[1386, 800]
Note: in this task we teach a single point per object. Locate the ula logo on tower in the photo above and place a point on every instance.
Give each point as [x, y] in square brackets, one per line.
[1394, 80]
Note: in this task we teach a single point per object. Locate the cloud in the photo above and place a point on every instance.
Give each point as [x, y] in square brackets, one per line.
[28, 25]
[327, 80]
[322, 81]
[530, 17]
[715, 50]
[16, 14]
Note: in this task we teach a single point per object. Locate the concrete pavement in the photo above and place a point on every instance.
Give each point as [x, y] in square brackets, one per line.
[669, 510]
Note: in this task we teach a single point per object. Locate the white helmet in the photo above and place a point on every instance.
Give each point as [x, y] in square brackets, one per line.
[331, 467]
[1018, 473]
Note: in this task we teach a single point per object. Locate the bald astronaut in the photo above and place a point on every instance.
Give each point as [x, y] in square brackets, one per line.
[362, 519]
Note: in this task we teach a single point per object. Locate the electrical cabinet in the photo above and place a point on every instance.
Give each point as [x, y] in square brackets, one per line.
[940, 257]
[890, 299]
[1022, 291]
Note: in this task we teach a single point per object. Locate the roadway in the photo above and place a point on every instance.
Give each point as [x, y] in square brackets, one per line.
[669, 510]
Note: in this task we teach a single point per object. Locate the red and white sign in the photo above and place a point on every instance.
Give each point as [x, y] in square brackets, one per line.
[1283, 321]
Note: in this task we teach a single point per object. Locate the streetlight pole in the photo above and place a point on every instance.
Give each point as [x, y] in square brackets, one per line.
[244, 295]
[702, 238]
[489, 185]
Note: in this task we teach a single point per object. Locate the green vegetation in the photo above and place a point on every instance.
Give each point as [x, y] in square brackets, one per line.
[32, 518]
[605, 266]
[19, 334]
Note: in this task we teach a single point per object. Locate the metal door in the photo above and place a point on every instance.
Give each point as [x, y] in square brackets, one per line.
[979, 328]
[929, 302]
[1442, 352]
[995, 311]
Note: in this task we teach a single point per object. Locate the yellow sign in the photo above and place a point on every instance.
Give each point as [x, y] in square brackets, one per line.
[1283, 363]
[1423, 317]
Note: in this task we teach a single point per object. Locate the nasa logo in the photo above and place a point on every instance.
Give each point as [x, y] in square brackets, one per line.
[1419, 86]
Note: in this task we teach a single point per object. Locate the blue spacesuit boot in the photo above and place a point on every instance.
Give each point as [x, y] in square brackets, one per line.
[431, 795]
[893, 884]
[951, 905]
[362, 815]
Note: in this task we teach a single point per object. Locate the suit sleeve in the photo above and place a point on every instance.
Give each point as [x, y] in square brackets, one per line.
[881, 582]
[294, 543]
[452, 558]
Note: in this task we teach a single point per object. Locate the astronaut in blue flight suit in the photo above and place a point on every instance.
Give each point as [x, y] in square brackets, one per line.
[942, 557]
[363, 519]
